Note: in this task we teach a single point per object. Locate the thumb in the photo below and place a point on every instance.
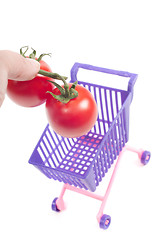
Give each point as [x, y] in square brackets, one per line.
[3, 85]
[27, 70]
[16, 67]
[21, 68]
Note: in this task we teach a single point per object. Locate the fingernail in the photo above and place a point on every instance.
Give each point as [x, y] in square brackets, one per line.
[35, 64]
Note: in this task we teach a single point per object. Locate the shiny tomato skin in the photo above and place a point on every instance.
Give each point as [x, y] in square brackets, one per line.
[74, 118]
[30, 93]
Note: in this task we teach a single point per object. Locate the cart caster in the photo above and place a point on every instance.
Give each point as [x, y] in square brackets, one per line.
[54, 206]
[145, 157]
[105, 221]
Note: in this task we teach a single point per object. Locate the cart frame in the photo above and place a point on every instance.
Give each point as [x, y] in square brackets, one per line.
[81, 163]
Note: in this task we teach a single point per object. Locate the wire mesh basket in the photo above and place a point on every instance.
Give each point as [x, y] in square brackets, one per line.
[84, 161]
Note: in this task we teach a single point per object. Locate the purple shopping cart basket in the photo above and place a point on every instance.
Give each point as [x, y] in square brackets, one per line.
[84, 161]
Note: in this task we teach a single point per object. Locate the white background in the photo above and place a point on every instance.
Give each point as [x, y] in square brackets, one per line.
[113, 34]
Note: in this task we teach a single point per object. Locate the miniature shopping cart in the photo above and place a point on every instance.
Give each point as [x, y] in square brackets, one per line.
[81, 163]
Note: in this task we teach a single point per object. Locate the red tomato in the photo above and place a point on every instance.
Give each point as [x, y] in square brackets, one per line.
[33, 92]
[74, 118]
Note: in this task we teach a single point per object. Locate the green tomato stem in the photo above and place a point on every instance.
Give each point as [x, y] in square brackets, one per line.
[53, 75]
[66, 93]
[58, 77]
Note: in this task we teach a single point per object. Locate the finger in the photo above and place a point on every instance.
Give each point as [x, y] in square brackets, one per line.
[18, 67]
[3, 85]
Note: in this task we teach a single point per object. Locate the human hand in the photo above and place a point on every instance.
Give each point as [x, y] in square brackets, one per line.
[16, 67]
